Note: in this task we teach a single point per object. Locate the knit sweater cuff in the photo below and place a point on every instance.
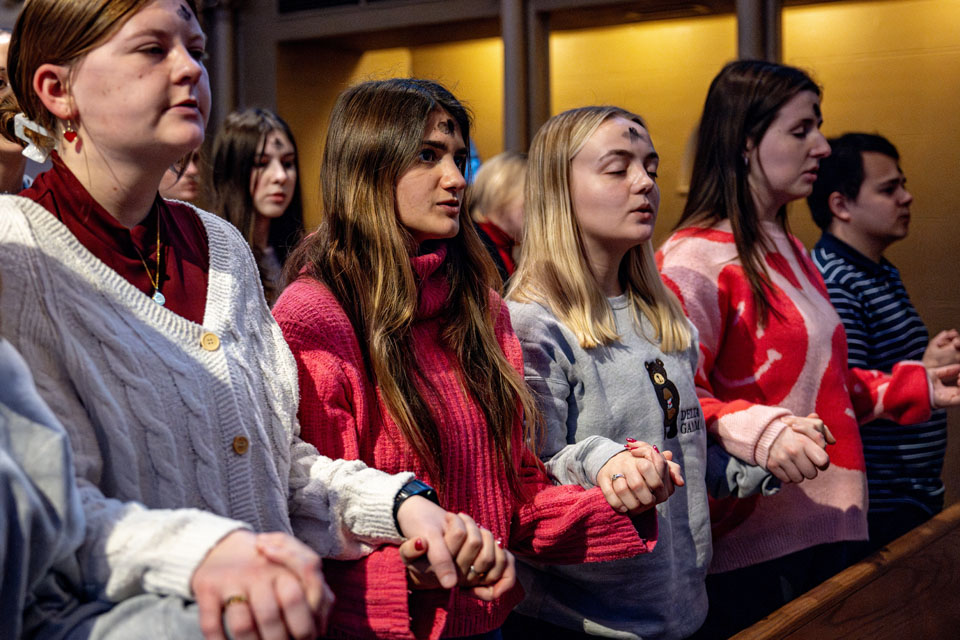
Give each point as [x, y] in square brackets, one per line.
[370, 515]
[770, 434]
[193, 542]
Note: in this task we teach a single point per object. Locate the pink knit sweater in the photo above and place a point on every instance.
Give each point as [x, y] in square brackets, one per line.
[750, 377]
[344, 416]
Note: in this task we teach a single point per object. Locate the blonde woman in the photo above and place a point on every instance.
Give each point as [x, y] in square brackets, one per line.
[496, 206]
[608, 350]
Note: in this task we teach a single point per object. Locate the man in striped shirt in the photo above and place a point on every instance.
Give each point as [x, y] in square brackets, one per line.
[861, 203]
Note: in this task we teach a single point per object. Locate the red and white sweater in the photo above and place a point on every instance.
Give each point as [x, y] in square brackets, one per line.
[750, 377]
[345, 417]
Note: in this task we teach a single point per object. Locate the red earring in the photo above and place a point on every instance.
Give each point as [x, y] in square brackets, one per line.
[70, 134]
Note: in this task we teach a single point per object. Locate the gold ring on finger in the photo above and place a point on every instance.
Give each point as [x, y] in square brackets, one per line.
[476, 573]
[234, 599]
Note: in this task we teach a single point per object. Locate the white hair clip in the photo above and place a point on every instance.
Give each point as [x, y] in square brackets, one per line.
[32, 151]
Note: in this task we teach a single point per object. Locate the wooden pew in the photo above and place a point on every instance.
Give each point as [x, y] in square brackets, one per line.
[908, 590]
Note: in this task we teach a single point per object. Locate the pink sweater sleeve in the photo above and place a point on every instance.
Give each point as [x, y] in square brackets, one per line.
[372, 598]
[566, 524]
[745, 429]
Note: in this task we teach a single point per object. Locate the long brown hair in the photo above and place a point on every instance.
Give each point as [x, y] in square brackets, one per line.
[57, 32]
[362, 253]
[742, 102]
[239, 142]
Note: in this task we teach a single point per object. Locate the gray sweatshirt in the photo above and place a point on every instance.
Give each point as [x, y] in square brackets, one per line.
[592, 400]
[42, 523]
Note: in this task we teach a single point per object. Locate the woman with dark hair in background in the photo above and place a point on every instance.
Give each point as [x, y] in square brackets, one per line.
[255, 185]
[407, 360]
[773, 377]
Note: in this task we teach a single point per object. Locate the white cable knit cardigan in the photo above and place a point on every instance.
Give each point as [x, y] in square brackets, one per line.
[158, 413]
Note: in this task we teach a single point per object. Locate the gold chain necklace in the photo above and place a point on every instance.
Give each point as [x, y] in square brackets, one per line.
[157, 297]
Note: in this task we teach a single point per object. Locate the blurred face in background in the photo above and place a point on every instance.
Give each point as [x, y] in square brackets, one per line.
[274, 176]
[185, 186]
[5, 145]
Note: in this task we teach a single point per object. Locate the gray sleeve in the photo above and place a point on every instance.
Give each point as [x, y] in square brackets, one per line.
[41, 524]
[728, 475]
[550, 368]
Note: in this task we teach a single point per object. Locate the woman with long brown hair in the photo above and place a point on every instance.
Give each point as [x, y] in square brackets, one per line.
[773, 377]
[407, 359]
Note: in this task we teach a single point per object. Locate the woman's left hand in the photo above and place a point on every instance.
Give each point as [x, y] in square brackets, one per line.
[946, 393]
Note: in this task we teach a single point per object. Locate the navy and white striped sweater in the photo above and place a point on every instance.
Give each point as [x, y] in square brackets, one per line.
[904, 462]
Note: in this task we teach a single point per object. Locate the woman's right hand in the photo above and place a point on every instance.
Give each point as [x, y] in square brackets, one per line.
[637, 479]
[483, 566]
[798, 452]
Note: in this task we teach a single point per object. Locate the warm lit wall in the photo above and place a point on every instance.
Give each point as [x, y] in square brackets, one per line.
[310, 76]
[893, 67]
[473, 71]
[659, 70]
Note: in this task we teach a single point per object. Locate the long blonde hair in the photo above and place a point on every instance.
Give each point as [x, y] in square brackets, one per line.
[554, 270]
[362, 253]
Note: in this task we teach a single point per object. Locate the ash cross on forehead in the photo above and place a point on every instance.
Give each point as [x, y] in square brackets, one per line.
[277, 142]
[184, 13]
[632, 134]
[447, 126]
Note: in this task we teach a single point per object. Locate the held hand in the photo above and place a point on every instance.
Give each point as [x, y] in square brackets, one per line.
[499, 570]
[943, 349]
[946, 393]
[442, 532]
[259, 597]
[797, 453]
[812, 427]
[305, 564]
[648, 451]
[634, 482]
[490, 571]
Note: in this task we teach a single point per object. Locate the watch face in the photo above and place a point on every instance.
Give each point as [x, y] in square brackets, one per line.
[417, 488]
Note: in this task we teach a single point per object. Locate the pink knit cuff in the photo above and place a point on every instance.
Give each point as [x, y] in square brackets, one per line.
[767, 438]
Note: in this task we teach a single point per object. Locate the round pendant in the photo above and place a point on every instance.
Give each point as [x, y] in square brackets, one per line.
[159, 298]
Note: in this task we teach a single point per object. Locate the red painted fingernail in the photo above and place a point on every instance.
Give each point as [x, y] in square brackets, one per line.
[655, 448]
[630, 440]
[418, 544]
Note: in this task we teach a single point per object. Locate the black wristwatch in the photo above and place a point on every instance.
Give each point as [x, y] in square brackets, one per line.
[413, 488]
